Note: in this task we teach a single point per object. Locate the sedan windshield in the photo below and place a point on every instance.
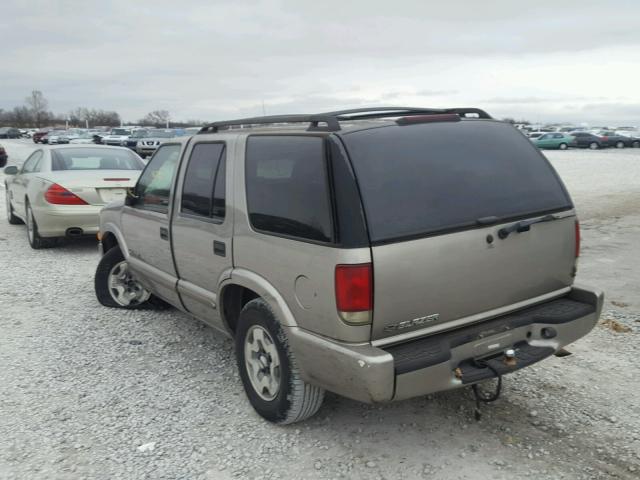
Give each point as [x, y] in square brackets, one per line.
[94, 159]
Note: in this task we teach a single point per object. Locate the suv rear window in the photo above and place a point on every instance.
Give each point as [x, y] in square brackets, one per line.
[429, 178]
[287, 189]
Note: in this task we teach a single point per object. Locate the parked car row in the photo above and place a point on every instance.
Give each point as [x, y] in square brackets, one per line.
[580, 139]
[9, 132]
[565, 137]
[275, 234]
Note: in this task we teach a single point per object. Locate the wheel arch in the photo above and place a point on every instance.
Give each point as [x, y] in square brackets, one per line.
[112, 237]
[244, 286]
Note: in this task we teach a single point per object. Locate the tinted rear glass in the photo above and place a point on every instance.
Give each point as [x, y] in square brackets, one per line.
[423, 179]
[287, 190]
[94, 159]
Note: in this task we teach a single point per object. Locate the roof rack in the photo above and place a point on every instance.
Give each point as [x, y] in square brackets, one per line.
[331, 120]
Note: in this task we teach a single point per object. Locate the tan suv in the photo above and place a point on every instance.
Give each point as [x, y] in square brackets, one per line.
[380, 254]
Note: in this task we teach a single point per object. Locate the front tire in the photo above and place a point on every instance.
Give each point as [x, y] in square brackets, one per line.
[594, 146]
[115, 286]
[620, 145]
[563, 146]
[268, 368]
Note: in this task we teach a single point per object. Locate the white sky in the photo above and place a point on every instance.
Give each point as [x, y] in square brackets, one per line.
[571, 61]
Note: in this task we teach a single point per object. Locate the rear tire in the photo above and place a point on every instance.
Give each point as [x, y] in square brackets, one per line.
[594, 146]
[268, 368]
[563, 146]
[11, 218]
[114, 285]
[620, 145]
[35, 240]
[636, 144]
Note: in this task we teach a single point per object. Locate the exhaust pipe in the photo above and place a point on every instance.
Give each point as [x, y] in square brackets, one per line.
[74, 232]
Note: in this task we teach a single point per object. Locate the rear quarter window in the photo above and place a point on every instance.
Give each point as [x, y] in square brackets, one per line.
[432, 178]
[287, 188]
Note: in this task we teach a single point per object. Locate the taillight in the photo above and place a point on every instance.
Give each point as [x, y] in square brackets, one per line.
[354, 293]
[58, 195]
[604, 138]
[577, 239]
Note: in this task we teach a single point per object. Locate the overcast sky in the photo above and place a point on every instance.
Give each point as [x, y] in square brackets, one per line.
[571, 61]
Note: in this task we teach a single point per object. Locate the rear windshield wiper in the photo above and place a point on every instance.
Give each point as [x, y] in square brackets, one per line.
[523, 226]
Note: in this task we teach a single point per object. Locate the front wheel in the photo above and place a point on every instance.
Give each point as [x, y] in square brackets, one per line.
[268, 368]
[563, 146]
[594, 146]
[620, 145]
[114, 284]
[636, 144]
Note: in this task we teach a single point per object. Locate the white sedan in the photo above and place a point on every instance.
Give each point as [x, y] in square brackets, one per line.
[60, 190]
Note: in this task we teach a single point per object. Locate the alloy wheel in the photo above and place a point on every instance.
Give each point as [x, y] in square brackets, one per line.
[124, 289]
[262, 362]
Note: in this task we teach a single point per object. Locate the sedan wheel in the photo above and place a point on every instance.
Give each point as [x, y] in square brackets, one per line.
[563, 146]
[636, 144]
[35, 240]
[620, 145]
[594, 146]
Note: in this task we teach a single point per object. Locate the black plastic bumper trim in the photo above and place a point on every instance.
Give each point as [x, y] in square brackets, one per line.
[435, 349]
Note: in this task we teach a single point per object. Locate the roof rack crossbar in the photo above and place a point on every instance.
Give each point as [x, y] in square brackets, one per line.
[332, 119]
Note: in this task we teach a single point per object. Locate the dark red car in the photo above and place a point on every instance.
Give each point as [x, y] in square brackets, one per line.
[37, 136]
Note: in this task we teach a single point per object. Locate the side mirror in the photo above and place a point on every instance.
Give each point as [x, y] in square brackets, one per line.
[11, 170]
[131, 199]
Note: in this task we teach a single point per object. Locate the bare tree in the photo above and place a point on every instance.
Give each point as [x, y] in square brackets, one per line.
[38, 106]
[158, 118]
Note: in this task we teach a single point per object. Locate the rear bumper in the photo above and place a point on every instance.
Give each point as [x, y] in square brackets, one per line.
[54, 221]
[445, 361]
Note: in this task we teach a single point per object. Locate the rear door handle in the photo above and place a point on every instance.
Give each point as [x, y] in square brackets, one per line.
[164, 233]
[219, 248]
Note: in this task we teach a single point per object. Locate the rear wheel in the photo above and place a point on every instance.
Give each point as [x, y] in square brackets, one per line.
[268, 368]
[114, 284]
[11, 218]
[594, 146]
[619, 144]
[636, 144]
[35, 240]
[563, 146]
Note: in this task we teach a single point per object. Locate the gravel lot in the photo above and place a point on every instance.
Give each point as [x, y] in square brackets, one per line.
[90, 392]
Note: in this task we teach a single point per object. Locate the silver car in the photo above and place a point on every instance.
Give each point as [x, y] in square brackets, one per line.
[154, 138]
[379, 254]
[59, 191]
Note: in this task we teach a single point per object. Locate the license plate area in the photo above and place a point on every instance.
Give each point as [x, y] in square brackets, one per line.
[109, 194]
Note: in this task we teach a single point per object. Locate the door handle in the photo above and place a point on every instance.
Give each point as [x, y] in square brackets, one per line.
[164, 233]
[219, 248]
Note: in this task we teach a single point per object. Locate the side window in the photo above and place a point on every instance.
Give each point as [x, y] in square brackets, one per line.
[154, 186]
[30, 165]
[287, 188]
[204, 182]
[545, 137]
[558, 135]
